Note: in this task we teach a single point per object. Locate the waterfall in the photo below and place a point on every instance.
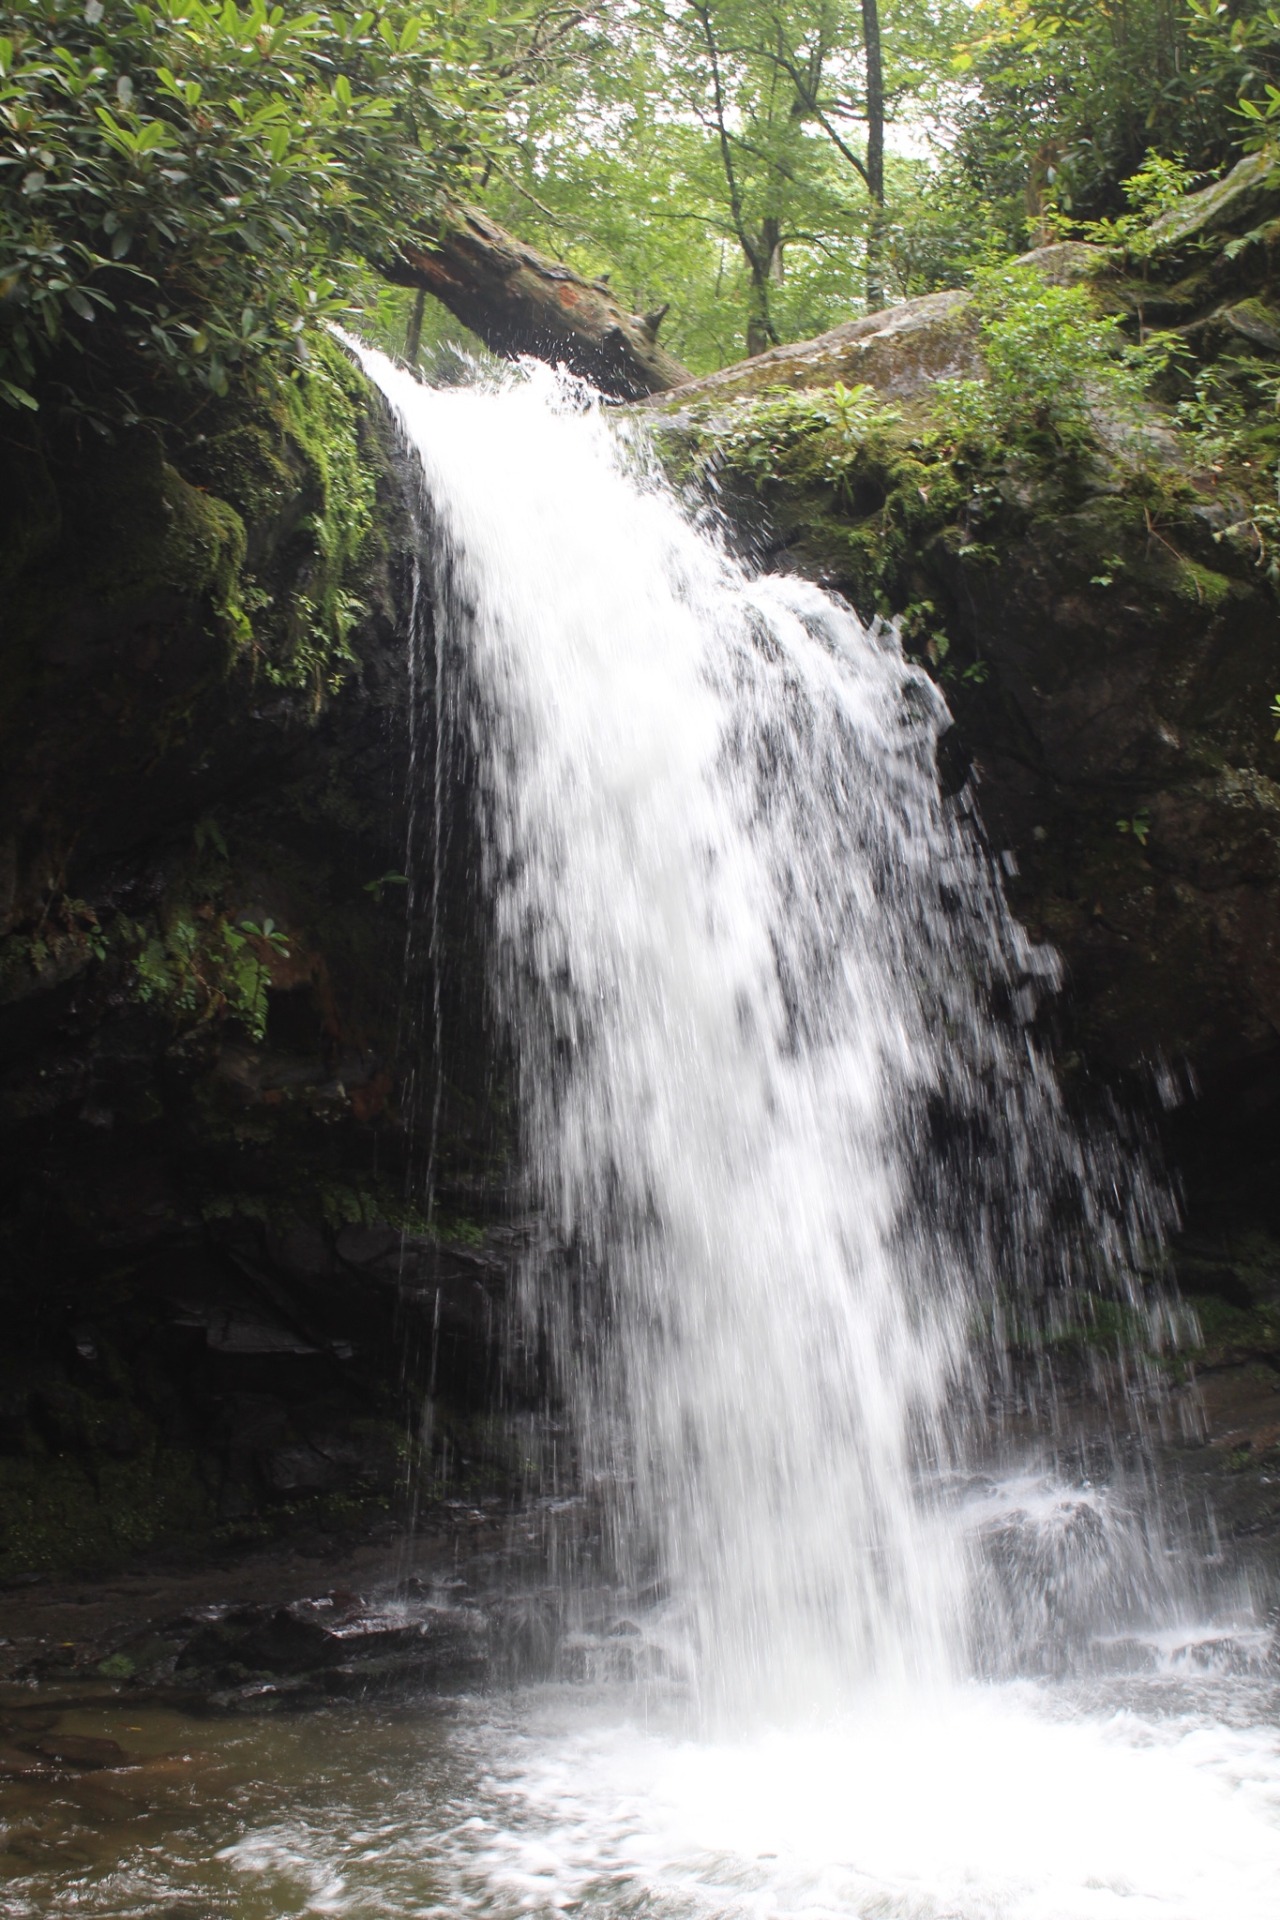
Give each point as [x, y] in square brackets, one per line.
[782, 1102]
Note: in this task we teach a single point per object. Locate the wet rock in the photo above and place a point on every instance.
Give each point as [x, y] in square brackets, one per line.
[335, 1647]
[899, 352]
[76, 1752]
[1233, 204]
[253, 1642]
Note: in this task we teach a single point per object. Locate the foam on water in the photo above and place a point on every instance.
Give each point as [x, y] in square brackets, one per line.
[979, 1806]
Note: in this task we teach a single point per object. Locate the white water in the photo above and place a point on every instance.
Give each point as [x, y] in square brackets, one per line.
[782, 1110]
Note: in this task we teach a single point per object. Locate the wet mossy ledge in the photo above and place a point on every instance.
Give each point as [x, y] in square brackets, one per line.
[213, 1255]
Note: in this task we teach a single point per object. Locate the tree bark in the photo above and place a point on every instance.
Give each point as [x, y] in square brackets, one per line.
[519, 301]
[875, 153]
[765, 264]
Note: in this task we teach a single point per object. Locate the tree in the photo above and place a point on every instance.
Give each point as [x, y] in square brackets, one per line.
[518, 301]
[875, 150]
[186, 187]
[1066, 97]
[732, 154]
[758, 71]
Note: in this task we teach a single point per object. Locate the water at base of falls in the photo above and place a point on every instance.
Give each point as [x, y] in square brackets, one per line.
[805, 1171]
[1158, 1801]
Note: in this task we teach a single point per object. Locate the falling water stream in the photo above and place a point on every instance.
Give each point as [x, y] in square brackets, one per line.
[780, 1102]
[887, 1634]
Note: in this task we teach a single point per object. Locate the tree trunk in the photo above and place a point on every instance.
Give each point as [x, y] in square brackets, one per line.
[765, 266]
[759, 332]
[518, 301]
[875, 153]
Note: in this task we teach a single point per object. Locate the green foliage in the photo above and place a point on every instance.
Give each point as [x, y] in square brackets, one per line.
[1051, 361]
[1159, 183]
[1229, 413]
[1060, 420]
[201, 965]
[183, 185]
[294, 461]
[378, 887]
[67, 937]
[939, 230]
[867, 487]
[754, 222]
[305, 642]
[1238, 52]
[117, 1666]
[821, 433]
[1064, 97]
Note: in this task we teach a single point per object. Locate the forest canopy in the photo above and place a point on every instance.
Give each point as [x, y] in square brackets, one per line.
[187, 189]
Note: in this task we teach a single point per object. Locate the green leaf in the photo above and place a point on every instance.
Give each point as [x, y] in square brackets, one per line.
[17, 396]
[154, 135]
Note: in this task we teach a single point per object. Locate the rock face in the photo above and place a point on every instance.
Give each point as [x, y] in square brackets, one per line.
[899, 352]
[1112, 639]
[213, 1246]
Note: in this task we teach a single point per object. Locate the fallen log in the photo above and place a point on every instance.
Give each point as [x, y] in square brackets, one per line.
[519, 301]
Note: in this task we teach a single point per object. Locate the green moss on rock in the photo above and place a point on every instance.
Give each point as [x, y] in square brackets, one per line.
[297, 469]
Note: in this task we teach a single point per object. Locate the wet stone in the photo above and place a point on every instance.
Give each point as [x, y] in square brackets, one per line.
[253, 1641]
[75, 1752]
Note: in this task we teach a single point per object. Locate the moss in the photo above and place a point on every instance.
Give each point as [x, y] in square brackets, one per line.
[294, 464]
[1202, 584]
[127, 534]
[1230, 1334]
[1230, 203]
[263, 523]
[169, 537]
[1082, 1324]
[852, 487]
[82, 1512]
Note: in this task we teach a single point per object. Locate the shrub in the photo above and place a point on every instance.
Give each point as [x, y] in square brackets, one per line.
[1051, 360]
[184, 185]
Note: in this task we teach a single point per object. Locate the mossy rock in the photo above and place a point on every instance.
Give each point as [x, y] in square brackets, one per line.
[900, 352]
[1244, 198]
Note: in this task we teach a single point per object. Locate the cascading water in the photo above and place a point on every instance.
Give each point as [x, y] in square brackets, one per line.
[801, 1158]
[751, 963]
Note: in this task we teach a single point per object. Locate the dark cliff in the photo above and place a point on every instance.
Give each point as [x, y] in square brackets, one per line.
[214, 1244]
